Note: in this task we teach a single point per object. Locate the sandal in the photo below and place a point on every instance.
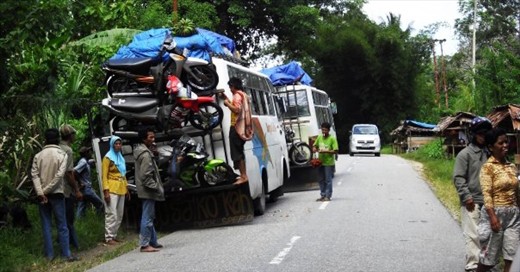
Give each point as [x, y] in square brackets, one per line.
[149, 249]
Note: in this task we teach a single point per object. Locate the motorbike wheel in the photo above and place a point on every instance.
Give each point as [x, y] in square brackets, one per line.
[208, 117]
[221, 174]
[123, 86]
[120, 124]
[300, 153]
[204, 77]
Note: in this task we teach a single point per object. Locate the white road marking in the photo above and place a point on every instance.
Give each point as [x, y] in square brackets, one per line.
[324, 205]
[349, 169]
[281, 255]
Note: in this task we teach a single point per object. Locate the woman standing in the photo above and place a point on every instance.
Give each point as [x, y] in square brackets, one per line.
[499, 226]
[114, 189]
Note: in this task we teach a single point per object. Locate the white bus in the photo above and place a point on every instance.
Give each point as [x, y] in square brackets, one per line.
[307, 108]
[266, 154]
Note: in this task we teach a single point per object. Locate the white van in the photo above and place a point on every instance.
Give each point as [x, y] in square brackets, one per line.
[364, 138]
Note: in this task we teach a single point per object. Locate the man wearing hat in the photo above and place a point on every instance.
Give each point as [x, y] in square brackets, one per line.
[82, 171]
[47, 173]
[68, 135]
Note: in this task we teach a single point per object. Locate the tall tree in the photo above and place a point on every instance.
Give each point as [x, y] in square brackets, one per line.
[371, 70]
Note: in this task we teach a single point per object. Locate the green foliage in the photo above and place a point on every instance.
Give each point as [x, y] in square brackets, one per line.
[432, 150]
[371, 71]
[23, 250]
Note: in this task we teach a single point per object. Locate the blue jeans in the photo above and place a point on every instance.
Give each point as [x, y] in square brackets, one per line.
[56, 206]
[69, 211]
[89, 195]
[147, 235]
[326, 174]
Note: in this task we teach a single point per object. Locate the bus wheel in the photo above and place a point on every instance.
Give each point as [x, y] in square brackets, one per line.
[259, 203]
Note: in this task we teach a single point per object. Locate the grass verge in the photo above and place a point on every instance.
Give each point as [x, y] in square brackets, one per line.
[22, 250]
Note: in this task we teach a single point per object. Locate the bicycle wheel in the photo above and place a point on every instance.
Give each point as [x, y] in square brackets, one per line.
[300, 153]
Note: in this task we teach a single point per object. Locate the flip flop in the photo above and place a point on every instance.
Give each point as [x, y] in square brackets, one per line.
[149, 249]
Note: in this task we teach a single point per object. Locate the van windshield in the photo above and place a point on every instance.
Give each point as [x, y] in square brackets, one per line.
[365, 130]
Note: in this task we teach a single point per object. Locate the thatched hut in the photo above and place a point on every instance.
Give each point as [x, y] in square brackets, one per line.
[411, 134]
[508, 117]
[455, 131]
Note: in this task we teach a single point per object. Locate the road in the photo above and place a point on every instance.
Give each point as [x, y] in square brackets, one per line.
[382, 217]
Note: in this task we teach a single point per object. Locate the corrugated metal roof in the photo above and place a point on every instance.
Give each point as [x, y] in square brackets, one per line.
[460, 120]
[505, 112]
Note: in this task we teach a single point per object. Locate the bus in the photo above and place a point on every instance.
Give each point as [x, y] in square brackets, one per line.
[266, 154]
[266, 158]
[307, 108]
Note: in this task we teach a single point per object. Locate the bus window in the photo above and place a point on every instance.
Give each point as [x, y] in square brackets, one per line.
[298, 105]
[270, 105]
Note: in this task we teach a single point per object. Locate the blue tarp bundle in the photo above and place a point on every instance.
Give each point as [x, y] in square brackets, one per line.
[201, 45]
[419, 124]
[286, 74]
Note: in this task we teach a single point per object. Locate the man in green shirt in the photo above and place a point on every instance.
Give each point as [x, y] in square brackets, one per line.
[327, 147]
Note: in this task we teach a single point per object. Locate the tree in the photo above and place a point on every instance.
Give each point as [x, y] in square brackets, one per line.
[370, 70]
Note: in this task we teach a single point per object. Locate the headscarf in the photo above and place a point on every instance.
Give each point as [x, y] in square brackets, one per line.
[116, 157]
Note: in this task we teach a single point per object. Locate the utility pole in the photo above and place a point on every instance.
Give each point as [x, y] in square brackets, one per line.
[443, 73]
[435, 74]
[175, 14]
[473, 56]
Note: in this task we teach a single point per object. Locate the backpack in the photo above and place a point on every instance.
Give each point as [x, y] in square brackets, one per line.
[244, 124]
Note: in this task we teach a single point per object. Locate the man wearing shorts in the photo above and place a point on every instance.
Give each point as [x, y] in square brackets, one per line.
[236, 143]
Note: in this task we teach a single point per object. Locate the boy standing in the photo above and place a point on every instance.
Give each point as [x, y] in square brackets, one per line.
[327, 147]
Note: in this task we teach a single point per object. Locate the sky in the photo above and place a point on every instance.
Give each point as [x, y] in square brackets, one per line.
[419, 14]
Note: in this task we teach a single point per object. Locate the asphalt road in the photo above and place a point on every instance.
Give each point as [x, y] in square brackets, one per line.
[382, 217]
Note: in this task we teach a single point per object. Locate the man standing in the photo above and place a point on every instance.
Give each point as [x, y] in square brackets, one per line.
[236, 143]
[82, 170]
[466, 178]
[327, 147]
[149, 190]
[47, 172]
[68, 135]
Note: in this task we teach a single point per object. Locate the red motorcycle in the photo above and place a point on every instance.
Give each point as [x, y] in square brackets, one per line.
[187, 105]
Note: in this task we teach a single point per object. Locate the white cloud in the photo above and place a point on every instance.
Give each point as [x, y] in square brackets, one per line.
[418, 14]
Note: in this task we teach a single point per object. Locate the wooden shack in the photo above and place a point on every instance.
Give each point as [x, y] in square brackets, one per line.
[411, 134]
[508, 118]
[455, 131]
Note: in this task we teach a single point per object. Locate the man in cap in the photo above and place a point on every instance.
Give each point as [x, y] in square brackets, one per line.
[47, 173]
[82, 171]
[68, 135]
[466, 179]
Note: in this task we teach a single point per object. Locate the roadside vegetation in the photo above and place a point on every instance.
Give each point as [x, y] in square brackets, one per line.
[22, 249]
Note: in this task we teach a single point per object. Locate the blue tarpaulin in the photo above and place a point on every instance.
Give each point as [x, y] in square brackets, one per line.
[200, 45]
[419, 124]
[286, 74]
